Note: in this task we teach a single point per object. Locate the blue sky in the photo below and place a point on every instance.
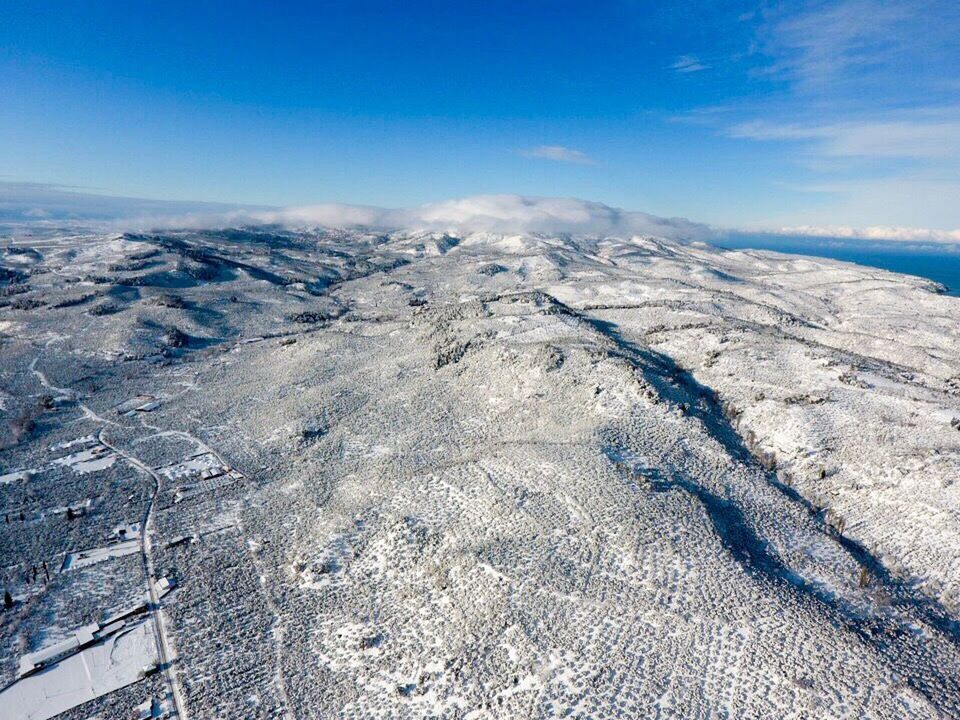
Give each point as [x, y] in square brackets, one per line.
[738, 114]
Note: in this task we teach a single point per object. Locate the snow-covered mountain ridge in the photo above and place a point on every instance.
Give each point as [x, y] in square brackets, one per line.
[479, 473]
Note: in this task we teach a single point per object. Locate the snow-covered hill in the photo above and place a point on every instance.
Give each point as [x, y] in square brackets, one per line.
[466, 472]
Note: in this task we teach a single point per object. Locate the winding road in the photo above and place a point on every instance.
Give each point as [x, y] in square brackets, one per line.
[164, 651]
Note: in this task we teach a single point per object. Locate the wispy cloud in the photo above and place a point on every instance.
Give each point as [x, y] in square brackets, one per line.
[860, 104]
[920, 201]
[897, 137]
[826, 40]
[707, 115]
[559, 153]
[860, 48]
[688, 64]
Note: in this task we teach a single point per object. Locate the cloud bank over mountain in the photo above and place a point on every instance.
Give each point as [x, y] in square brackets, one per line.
[497, 214]
[39, 205]
[22, 202]
[35, 203]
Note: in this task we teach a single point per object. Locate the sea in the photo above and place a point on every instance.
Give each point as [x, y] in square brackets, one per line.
[937, 261]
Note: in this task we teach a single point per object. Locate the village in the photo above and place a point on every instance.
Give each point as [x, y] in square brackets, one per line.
[120, 650]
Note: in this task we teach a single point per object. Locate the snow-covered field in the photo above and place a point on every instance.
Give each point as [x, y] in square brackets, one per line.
[487, 475]
[84, 676]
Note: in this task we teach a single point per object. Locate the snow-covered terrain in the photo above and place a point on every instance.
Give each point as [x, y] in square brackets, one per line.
[483, 474]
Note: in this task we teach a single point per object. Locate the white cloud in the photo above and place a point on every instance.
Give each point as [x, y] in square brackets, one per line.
[688, 64]
[559, 153]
